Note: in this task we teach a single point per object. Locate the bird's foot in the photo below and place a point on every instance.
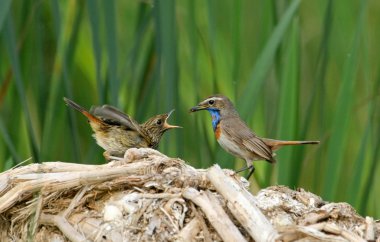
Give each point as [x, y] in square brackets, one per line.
[251, 169]
[109, 156]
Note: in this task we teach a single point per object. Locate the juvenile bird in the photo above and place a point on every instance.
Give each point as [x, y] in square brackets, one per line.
[234, 135]
[116, 132]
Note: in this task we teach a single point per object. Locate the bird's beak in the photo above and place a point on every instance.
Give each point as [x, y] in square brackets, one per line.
[169, 126]
[197, 108]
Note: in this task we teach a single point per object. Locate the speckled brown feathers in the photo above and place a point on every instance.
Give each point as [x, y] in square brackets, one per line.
[116, 131]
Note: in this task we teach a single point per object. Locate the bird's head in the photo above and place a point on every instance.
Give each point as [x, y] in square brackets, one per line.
[157, 126]
[215, 103]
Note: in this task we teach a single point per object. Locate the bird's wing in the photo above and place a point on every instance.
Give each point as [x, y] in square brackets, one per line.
[113, 115]
[242, 135]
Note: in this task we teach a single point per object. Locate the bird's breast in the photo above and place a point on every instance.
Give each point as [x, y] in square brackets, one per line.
[217, 131]
[230, 145]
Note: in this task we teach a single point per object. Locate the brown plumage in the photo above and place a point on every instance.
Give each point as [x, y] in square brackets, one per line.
[236, 137]
[116, 131]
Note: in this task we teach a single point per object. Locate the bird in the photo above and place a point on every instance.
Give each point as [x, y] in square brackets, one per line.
[116, 131]
[235, 137]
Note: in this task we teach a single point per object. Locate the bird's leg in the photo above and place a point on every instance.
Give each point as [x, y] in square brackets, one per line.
[243, 169]
[252, 169]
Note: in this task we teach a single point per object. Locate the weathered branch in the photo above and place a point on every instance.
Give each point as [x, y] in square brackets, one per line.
[215, 214]
[63, 225]
[149, 196]
[191, 230]
[243, 208]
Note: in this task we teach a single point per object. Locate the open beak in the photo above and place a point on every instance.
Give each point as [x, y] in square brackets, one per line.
[169, 126]
[197, 108]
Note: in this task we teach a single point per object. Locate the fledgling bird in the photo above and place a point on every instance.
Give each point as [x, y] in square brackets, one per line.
[236, 137]
[116, 131]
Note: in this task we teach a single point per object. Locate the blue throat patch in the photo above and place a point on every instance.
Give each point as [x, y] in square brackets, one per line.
[215, 117]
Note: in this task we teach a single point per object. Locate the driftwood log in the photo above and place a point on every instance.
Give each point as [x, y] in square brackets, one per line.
[147, 196]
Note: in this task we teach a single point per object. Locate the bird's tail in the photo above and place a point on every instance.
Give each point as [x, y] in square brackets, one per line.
[76, 106]
[276, 144]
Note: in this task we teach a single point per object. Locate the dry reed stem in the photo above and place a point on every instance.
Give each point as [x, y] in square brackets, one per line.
[215, 214]
[64, 226]
[243, 208]
[189, 232]
[148, 196]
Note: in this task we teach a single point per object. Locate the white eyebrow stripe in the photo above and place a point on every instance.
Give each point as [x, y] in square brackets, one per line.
[214, 98]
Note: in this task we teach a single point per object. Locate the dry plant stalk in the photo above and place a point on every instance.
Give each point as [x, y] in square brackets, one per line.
[242, 205]
[214, 213]
[147, 196]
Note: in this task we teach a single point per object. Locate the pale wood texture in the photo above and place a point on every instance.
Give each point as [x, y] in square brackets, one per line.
[147, 196]
[242, 205]
[215, 214]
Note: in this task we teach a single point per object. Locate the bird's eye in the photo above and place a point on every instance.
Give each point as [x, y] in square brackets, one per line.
[158, 122]
[211, 102]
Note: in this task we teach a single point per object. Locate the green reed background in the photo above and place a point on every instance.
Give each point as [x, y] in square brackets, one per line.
[295, 70]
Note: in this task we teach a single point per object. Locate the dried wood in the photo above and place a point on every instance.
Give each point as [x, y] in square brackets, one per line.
[370, 229]
[147, 196]
[215, 214]
[243, 208]
[64, 226]
[189, 232]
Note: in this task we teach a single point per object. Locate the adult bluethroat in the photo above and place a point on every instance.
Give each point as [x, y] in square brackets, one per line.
[116, 131]
[234, 135]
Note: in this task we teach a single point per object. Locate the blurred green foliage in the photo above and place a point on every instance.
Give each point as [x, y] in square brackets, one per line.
[296, 69]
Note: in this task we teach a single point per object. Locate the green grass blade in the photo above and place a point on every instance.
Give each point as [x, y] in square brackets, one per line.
[10, 40]
[318, 93]
[167, 54]
[5, 6]
[139, 59]
[359, 167]
[192, 77]
[236, 30]
[62, 27]
[288, 112]
[110, 23]
[172, 54]
[362, 184]
[210, 42]
[93, 15]
[370, 182]
[67, 59]
[252, 88]
[145, 81]
[341, 118]
[361, 164]
[9, 142]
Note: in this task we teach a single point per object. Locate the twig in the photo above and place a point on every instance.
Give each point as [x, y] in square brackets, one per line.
[215, 214]
[189, 232]
[293, 233]
[62, 180]
[244, 210]
[64, 226]
[370, 229]
[37, 213]
[21, 163]
[333, 228]
[75, 201]
[206, 232]
[158, 195]
[147, 186]
[170, 219]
